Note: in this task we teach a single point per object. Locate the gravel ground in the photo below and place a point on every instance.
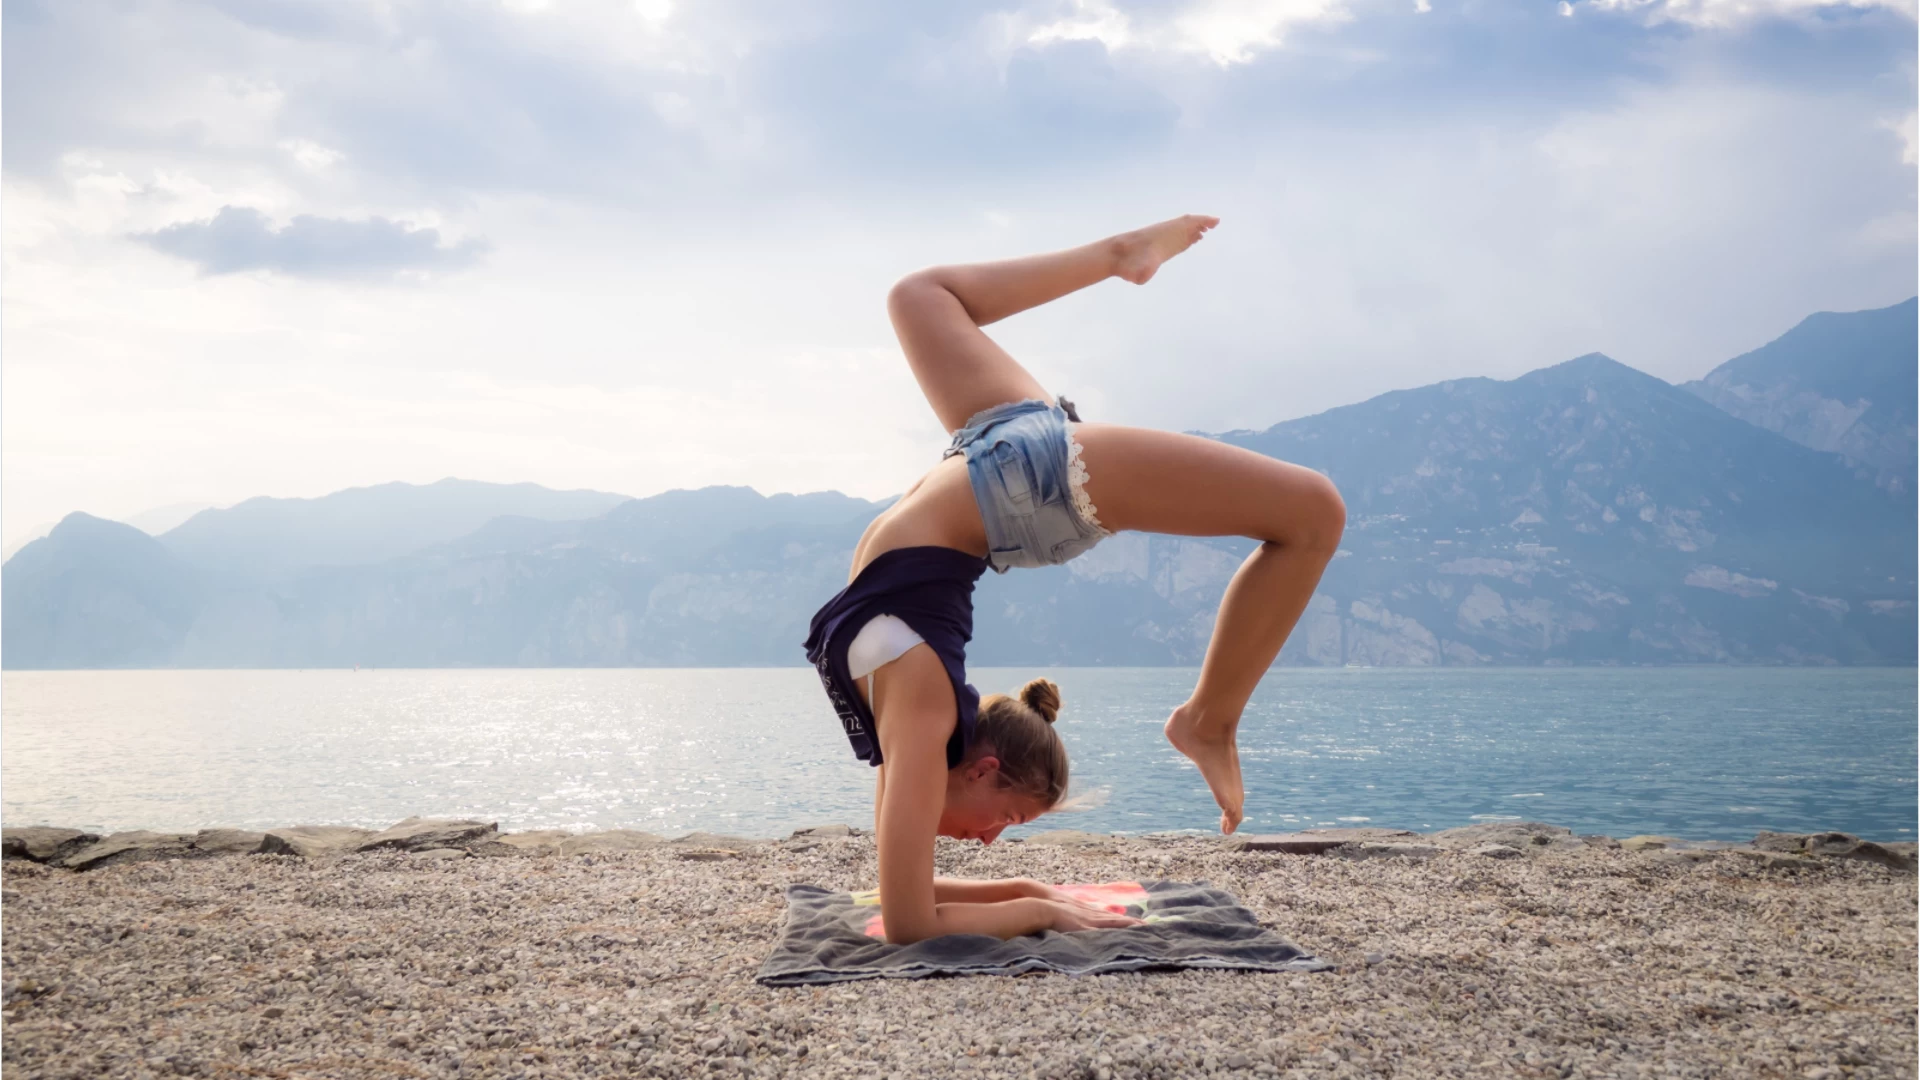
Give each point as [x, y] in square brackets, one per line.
[1591, 962]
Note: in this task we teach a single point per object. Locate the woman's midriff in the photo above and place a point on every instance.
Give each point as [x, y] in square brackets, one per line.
[937, 511]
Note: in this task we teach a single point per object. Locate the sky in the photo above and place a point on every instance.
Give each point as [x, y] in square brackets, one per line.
[284, 247]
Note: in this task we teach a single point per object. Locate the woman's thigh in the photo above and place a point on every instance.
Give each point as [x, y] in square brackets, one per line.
[1164, 482]
[960, 369]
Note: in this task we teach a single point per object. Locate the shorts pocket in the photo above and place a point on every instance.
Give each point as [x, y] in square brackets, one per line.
[1015, 478]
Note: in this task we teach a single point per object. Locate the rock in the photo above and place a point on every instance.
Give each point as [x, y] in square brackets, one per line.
[43, 843]
[1596, 840]
[717, 840]
[228, 841]
[137, 845]
[1519, 835]
[439, 854]
[1650, 843]
[1375, 959]
[1376, 850]
[824, 832]
[1882, 854]
[1771, 860]
[313, 841]
[1832, 843]
[609, 840]
[420, 834]
[1683, 855]
[708, 854]
[1073, 838]
[1836, 845]
[531, 842]
[1495, 851]
[1317, 841]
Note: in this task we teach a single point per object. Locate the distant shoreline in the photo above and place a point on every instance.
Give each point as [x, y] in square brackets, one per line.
[1552, 665]
[457, 838]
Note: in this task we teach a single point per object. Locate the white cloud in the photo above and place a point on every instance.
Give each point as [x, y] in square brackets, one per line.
[309, 154]
[1225, 31]
[1904, 128]
[1730, 13]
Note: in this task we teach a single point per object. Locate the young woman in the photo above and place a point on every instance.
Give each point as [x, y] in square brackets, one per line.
[1025, 483]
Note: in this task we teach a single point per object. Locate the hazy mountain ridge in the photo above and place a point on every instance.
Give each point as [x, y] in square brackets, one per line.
[266, 538]
[1844, 383]
[1583, 513]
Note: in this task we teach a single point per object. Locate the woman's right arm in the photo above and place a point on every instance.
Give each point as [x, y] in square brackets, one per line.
[917, 700]
[914, 710]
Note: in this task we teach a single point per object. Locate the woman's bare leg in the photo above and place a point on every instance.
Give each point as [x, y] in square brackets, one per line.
[938, 312]
[1157, 481]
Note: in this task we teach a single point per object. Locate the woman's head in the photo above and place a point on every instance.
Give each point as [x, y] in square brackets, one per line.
[1015, 770]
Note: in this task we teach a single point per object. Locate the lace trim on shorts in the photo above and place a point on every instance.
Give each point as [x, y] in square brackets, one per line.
[1077, 481]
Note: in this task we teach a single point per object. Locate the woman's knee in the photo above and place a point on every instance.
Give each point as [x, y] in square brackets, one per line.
[1309, 516]
[914, 290]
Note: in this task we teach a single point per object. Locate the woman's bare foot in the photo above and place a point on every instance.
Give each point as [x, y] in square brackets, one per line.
[1141, 251]
[1218, 757]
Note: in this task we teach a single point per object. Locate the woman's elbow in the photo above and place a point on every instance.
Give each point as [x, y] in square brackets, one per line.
[907, 935]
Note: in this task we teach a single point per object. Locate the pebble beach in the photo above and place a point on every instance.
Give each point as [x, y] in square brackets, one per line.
[448, 949]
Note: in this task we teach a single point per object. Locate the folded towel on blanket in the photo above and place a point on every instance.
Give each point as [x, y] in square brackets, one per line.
[839, 937]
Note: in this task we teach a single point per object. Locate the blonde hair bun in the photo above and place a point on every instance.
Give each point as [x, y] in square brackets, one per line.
[1043, 697]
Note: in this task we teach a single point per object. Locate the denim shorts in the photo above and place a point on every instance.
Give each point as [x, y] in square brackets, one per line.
[1028, 478]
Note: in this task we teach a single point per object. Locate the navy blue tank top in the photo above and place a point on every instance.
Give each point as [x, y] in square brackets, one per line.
[931, 590]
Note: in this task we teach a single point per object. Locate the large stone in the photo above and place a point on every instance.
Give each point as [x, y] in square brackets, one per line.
[1518, 835]
[1770, 860]
[1317, 841]
[1072, 838]
[823, 832]
[43, 843]
[1377, 850]
[1832, 843]
[137, 845]
[422, 834]
[1835, 845]
[313, 841]
[228, 841]
[609, 840]
[531, 842]
[1882, 854]
[718, 841]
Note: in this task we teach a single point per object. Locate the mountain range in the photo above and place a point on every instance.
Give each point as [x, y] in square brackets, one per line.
[1583, 513]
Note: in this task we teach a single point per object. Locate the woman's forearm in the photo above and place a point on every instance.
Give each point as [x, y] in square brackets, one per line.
[989, 891]
[1005, 919]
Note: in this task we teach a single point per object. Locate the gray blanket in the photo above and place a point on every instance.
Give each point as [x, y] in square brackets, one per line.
[839, 937]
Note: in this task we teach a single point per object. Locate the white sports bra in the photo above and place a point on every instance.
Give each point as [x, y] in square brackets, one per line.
[879, 642]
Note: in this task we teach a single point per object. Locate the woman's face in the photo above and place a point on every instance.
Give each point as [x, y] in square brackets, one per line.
[978, 808]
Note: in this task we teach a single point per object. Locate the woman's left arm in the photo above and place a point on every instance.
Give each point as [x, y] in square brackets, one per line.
[991, 891]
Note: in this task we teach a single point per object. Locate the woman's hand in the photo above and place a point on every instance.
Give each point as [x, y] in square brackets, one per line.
[1070, 916]
[1042, 891]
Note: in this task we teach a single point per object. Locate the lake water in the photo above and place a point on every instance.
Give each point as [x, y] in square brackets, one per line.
[1707, 753]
